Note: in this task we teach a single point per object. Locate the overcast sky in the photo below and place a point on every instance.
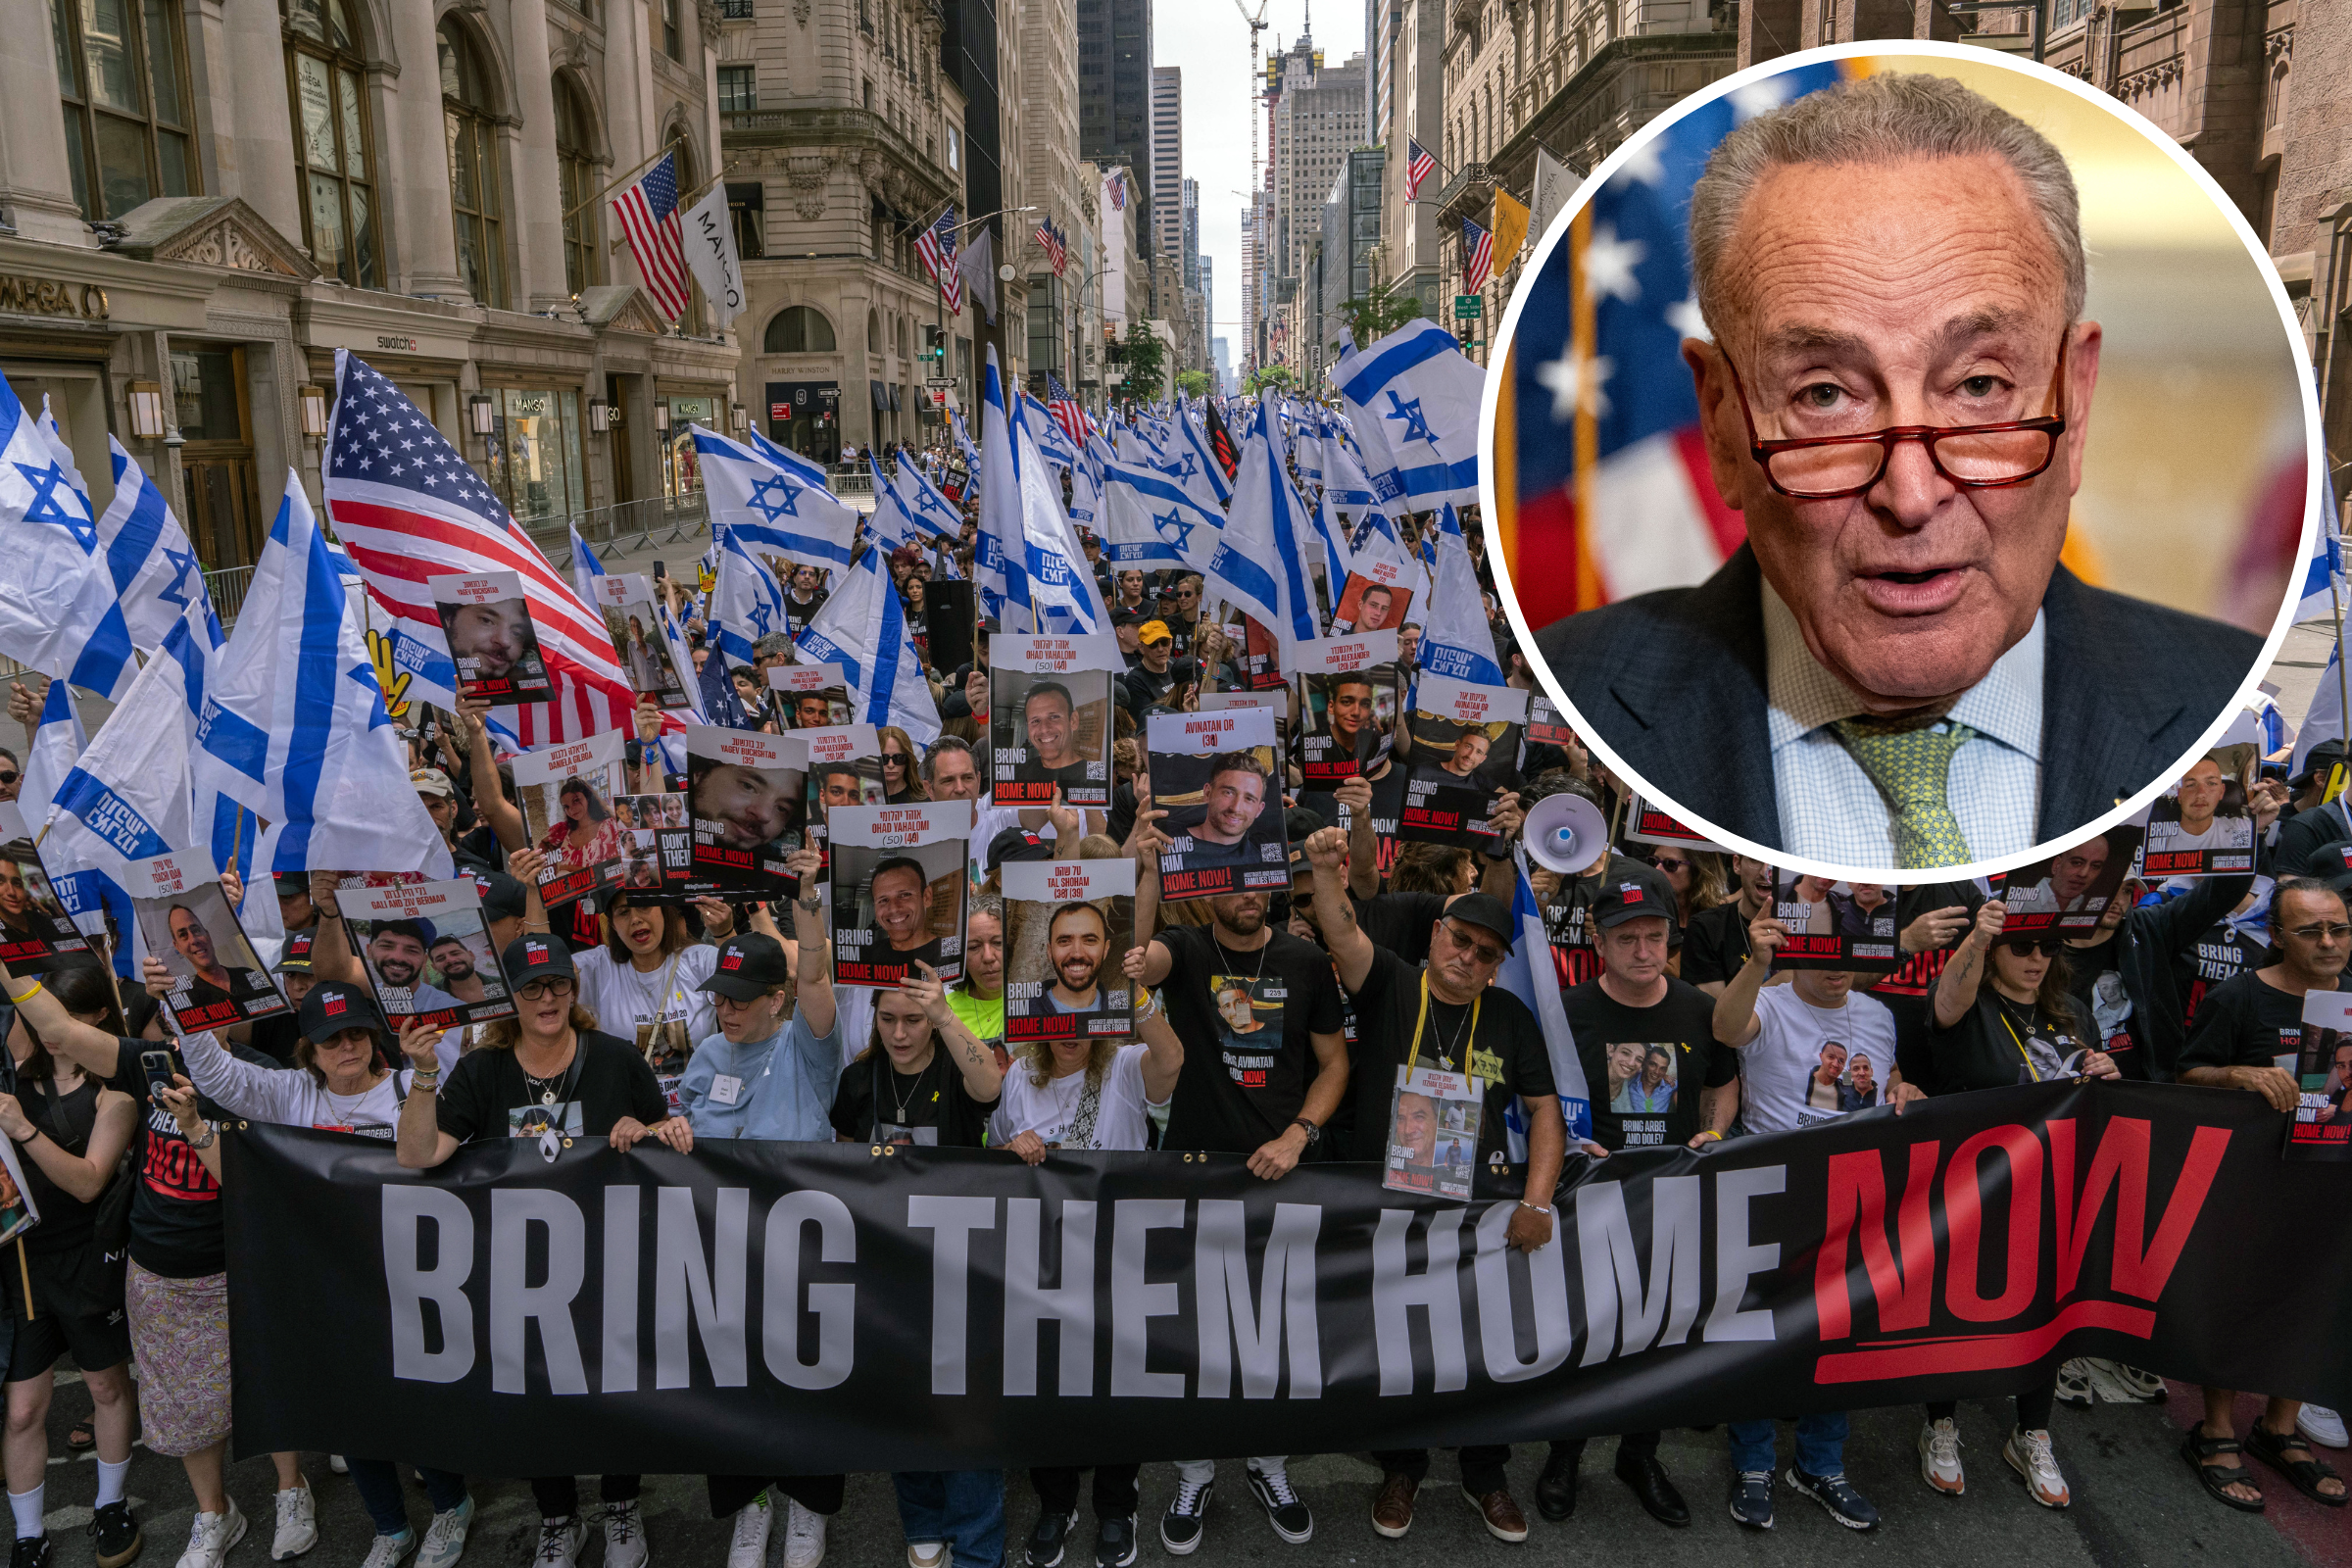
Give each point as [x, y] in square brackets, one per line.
[1210, 43]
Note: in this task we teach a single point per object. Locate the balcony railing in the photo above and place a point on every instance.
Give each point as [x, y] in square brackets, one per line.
[734, 10]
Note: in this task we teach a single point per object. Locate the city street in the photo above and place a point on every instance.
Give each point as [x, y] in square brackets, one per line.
[2134, 1504]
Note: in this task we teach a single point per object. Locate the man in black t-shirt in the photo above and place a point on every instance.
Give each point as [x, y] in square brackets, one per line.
[1715, 945]
[1634, 1003]
[1448, 1014]
[2247, 1035]
[1271, 1005]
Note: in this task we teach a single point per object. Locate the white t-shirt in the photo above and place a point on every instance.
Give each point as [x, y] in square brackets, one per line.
[1048, 1112]
[1777, 1068]
[636, 1005]
[291, 1097]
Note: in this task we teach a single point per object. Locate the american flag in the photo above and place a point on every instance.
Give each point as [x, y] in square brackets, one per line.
[1418, 166]
[937, 248]
[1057, 250]
[408, 506]
[1478, 256]
[648, 218]
[1117, 186]
[1065, 411]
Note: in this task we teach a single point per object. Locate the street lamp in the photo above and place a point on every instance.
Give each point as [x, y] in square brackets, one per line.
[313, 399]
[484, 411]
[599, 416]
[147, 410]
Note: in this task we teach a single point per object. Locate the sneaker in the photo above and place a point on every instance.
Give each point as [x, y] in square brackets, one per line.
[1835, 1493]
[388, 1551]
[1499, 1513]
[753, 1521]
[1939, 1457]
[1180, 1527]
[559, 1542]
[803, 1536]
[2117, 1384]
[2074, 1384]
[444, 1537]
[2322, 1426]
[1114, 1543]
[297, 1523]
[1751, 1499]
[33, 1551]
[211, 1535]
[2029, 1454]
[338, 1464]
[926, 1554]
[1393, 1506]
[115, 1536]
[1048, 1537]
[1284, 1512]
[625, 1535]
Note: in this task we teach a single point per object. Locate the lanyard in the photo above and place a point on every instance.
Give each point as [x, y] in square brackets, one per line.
[1413, 1056]
[2007, 1024]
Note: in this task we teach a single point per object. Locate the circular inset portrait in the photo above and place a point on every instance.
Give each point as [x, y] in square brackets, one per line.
[1899, 460]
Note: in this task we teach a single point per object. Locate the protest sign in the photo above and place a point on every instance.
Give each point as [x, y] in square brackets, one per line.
[1217, 775]
[1067, 927]
[491, 639]
[1836, 925]
[899, 890]
[1049, 718]
[567, 794]
[184, 916]
[428, 951]
[626, 602]
[744, 799]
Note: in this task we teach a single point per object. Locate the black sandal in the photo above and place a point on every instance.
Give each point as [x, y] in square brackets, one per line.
[2198, 1447]
[83, 1436]
[2304, 1475]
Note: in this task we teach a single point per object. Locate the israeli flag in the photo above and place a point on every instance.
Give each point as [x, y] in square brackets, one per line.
[1345, 485]
[1153, 523]
[585, 567]
[1457, 641]
[58, 740]
[1259, 562]
[933, 513]
[1527, 973]
[294, 725]
[1193, 438]
[1063, 595]
[746, 603]
[2324, 569]
[891, 522]
[862, 628]
[1413, 396]
[963, 443]
[57, 605]
[997, 562]
[772, 508]
[155, 569]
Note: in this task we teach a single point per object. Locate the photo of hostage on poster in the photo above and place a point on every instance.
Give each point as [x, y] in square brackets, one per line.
[746, 808]
[427, 952]
[1836, 925]
[626, 602]
[1376, 603]
[1068, 928]
[2204, 824]
[2321, 1128]
[1049, 718]
[1432, 1133]
[808, 696]
[1216, 776]
[185, 919]
[35, 932]
[1341, 735]
[491, 638]
[566, 793]
[2070, 891]
[1460, 743]
[899, 887]
[656, 843]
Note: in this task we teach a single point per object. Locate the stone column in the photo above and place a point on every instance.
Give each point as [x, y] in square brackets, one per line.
[1770, 28]
[539, 189]
[412, 162]
[36, 181]
[254, 140]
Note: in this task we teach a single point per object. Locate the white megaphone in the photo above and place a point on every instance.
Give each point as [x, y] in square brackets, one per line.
[1565, 833]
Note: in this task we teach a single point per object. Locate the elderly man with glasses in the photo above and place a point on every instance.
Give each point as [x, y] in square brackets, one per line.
[1895, 395]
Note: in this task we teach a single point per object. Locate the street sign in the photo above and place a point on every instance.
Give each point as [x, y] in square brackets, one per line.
[939, 380]
[1468, 307]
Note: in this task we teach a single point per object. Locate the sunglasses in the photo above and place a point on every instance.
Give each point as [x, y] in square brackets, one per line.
[1483, 951]
[2047, 947]
[1671, 863]
[541, 990]
[8, 775]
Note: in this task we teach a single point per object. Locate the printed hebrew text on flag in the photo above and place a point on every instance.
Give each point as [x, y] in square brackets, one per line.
[863, 629]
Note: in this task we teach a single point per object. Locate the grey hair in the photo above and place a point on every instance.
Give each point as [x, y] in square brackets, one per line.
[1880, 118]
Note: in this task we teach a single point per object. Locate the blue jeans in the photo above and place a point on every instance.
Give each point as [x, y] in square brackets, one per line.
[966, 1508]
[378, 1482]
[1820, 1445]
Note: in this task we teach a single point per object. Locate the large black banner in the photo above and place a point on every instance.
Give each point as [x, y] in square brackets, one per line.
[789, 1308]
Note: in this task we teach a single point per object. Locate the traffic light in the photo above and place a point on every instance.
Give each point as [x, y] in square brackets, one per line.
[934, 344]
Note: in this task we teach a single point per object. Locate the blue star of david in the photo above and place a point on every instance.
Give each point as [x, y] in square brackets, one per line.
[1176, 524]
[758, 616]
[1416, 427]
[47, 508]
[182, 565]
[1184, 466]
[784, 504]
[365, 676]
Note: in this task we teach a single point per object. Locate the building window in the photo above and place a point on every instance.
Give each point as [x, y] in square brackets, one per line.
[738, 88]
[798, 329]
[122, 74]
[576, 171]
[473, 182]
[747, 204]
[325, 81]
[534, 452]
[670, 44]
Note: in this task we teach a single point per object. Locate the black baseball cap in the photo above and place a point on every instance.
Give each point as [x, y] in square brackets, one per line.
[1017, 844]
[749, 967]
[1634, 889]
[297, 956]
[1485, 911]
[537, 956]
[502, 897]
[332, 1007]
[2324, 756]
[290, 883]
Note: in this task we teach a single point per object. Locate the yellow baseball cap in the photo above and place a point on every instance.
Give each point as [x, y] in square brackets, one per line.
[1154, 631]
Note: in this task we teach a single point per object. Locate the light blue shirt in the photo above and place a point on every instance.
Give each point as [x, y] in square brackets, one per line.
[786, 1085]
[1830, 810]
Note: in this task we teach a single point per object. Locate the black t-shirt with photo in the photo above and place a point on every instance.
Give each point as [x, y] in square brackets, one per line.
[487, 1095]
[2244, 1022]
[2221, 953]
[1239, 1089]
[2094, 976]
[1684, 1022]
[1400, 922]
[933, 1103]
[174, 1203]
[1505, 1051]
[1715, 945]
[2000, 1041]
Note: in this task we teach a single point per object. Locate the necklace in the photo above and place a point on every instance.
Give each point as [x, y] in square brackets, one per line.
[556, 1085]
[912, 1094]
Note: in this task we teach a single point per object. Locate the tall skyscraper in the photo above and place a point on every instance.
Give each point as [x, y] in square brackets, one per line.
[1115, 92]
[1167, 160]
[1192, 233]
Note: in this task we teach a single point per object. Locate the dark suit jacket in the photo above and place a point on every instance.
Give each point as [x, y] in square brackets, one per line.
[1674, 682]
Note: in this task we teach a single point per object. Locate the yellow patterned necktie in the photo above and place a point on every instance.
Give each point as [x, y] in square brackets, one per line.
[1911, 763]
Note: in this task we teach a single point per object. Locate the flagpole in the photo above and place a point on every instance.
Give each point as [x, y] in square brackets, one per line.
[2343, 702]
[622, 180]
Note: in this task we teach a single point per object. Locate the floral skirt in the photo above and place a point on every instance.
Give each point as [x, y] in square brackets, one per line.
[179, 1333]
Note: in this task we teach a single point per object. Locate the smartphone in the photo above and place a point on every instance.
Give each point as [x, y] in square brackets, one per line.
[159, 1068]
[2276, 771]
[661, 572]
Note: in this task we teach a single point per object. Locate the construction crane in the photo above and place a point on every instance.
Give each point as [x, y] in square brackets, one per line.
[1258, 24]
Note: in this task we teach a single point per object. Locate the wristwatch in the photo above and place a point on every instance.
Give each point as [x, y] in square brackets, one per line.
[1314, 1133]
